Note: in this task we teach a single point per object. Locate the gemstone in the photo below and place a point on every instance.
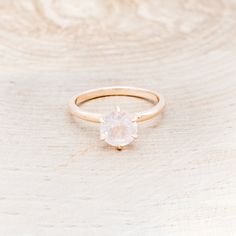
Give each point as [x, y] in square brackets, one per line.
[118, 129]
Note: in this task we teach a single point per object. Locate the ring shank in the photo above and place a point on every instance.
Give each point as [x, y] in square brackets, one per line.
[156, 98]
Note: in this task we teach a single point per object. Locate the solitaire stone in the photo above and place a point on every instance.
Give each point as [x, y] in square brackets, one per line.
[118, 129]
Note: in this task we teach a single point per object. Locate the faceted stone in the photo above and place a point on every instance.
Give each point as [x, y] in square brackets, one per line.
[118, 129]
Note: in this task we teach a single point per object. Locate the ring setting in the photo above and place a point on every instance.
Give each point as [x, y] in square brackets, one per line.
[118, 128]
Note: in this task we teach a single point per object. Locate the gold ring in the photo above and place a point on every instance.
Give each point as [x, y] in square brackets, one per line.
[118, 128]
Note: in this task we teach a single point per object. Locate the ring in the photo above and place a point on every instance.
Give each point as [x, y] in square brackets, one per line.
[117, 128]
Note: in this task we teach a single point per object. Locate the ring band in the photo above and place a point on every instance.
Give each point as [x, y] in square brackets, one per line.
[149, 95]
[116, 125]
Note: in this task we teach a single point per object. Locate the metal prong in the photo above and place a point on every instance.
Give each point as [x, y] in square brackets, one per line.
[101, 120]
[135, 119]
[119, 148]
[102, 137]
[117, 108]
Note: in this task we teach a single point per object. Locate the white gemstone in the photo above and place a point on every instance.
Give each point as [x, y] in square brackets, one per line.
[118, 129]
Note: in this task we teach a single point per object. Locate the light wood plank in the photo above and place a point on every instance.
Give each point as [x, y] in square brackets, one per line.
[56, 178]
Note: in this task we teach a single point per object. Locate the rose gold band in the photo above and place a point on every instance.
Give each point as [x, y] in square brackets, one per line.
[156, 98]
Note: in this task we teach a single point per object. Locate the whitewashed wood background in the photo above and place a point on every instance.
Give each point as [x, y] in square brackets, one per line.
[56, 178]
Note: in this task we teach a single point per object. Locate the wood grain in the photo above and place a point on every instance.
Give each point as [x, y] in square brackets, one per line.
[56, 178]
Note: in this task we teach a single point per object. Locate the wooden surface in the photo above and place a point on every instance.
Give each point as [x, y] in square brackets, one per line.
[56, 178]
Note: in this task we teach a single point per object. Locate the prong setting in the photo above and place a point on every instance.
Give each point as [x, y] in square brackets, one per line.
[135, 118]
[102, 137]
[118, 129]
[117, 108]
[119, 148]
[101, 120]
